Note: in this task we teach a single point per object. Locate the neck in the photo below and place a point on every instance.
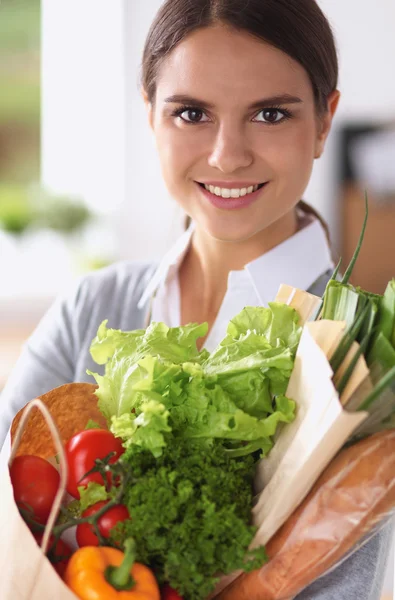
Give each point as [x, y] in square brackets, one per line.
[206, 266]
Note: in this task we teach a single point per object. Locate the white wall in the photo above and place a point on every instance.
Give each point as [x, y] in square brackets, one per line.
[366, 46]
[83, 100]
[149, 219]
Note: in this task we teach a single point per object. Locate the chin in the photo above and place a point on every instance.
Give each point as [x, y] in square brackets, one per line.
[231, 230]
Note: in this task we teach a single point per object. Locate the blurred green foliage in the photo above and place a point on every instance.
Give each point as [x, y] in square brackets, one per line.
[20, 35]
[19, 25]
[63, 214]
[24, 207]
[16, 214]
[19, 100]
[21, 209]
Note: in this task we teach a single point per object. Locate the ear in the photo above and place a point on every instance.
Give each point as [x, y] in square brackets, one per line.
[325, 122]
[149, 107]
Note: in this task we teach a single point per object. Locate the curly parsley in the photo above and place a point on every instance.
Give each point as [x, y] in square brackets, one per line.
[190, 512]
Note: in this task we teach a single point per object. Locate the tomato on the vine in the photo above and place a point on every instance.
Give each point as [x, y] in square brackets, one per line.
[59, 555]
[168, 593]
[85, 533]
[81, 452]
[35, 482]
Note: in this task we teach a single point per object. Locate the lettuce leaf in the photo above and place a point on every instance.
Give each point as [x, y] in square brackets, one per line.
[157, 383]
[257, 352]
[277, 324]
[176, 344]
[145, 430]
[91, 494]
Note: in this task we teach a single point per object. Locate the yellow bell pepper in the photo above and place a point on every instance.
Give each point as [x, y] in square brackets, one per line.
[104, 573]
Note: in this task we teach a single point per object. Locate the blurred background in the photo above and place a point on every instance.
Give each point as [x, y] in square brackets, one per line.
[80, 183]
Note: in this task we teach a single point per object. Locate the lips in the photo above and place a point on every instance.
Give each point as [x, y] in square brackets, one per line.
[228, 190]
[232, 203]
[231, 184]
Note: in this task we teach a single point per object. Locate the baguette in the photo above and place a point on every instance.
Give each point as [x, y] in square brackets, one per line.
[354, 493]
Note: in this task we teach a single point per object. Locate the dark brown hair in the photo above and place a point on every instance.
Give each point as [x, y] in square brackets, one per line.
[297, 27]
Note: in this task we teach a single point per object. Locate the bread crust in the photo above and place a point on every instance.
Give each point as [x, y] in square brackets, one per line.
[71, 406]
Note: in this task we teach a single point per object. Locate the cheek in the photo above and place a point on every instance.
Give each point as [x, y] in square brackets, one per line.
[290, 153]
[178, 153]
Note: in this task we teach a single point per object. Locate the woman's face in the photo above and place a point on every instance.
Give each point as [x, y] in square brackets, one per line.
[220, 119]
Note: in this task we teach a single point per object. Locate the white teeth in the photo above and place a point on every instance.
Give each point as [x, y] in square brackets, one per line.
[230, 192]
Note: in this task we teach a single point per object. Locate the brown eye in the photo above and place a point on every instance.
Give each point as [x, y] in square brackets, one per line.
[270, 115]
[194, 115]
[191, 115]
[273, 116]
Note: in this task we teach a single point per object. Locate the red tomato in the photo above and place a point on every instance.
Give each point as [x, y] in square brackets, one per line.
[35, 482]
[169, 594]
[59, 556]
[82, 450]
[85, 532]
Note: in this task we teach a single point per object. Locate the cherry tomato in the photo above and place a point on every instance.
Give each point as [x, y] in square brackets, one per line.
[58, 556]
[169, 594]
[82, 450]
[85, 532]
[35, 482]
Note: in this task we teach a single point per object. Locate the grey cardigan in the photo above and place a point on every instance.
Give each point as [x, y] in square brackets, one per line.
[58, 352]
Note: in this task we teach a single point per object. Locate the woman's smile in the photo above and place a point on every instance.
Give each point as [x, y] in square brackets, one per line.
[231, 198]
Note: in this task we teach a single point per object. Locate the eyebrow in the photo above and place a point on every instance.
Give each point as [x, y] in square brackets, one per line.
[263, 103]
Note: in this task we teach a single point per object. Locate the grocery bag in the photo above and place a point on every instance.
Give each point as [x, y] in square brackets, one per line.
[27, 574]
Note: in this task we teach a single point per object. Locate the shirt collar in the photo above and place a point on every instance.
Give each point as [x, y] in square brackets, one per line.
[170, 263]
[298, 261]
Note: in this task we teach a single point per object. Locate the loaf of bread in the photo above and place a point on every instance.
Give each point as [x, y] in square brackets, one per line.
[71, 405]
[353, 495]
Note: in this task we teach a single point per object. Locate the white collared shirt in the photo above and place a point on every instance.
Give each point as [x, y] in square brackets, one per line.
[298, 261]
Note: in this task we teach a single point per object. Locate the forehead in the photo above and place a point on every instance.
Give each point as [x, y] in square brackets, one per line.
[224, 63]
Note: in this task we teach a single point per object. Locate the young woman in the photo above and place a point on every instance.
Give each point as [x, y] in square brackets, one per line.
[240, 96]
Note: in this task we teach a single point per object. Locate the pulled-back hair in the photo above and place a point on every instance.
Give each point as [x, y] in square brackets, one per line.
[297, 27]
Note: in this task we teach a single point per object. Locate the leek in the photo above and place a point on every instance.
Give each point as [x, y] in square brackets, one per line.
[380, 387]
[350, 267]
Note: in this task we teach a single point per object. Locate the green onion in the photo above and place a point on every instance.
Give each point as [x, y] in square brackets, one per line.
[350, 267]
[333, 278]
[370, 320]
[382, 352]
[350, 369]
[380, 387]
[340, 302]
[386, 321]
[348, 339]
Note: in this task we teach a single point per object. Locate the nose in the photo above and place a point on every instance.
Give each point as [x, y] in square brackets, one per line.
[230, 150]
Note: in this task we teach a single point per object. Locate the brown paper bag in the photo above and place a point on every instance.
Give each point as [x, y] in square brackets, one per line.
[26, 573]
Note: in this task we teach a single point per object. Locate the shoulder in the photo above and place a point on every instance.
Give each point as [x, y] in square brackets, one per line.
[110, 293]
[116, 279]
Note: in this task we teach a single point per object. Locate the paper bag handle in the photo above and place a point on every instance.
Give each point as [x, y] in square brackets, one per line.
[37, 403]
